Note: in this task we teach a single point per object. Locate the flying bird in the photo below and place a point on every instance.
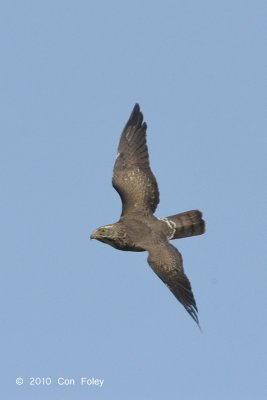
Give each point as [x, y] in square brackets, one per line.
[138, 229]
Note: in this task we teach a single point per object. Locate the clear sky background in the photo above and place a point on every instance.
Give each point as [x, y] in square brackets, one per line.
[71, 72]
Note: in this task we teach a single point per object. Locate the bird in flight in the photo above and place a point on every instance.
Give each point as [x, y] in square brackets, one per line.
[138, 229]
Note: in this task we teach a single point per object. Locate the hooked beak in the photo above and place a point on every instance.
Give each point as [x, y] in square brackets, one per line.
[93, 235]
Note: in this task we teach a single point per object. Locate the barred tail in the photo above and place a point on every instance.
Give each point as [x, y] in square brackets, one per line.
[189, 223]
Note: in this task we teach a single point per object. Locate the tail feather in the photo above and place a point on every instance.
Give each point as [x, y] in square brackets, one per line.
[189, 223]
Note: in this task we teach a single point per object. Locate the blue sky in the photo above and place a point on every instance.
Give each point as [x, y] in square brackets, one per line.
[70, 307]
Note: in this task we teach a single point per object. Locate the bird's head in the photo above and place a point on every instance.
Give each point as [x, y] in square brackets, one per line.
[108, 234]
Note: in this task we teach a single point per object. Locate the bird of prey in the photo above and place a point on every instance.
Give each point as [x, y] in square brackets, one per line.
[138, 229]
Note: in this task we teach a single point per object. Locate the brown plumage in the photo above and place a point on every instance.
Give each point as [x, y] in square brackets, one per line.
[189, 223]
[138, 229]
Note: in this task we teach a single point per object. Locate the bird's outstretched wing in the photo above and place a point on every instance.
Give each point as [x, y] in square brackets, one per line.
[167, 263]
[132, 176]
